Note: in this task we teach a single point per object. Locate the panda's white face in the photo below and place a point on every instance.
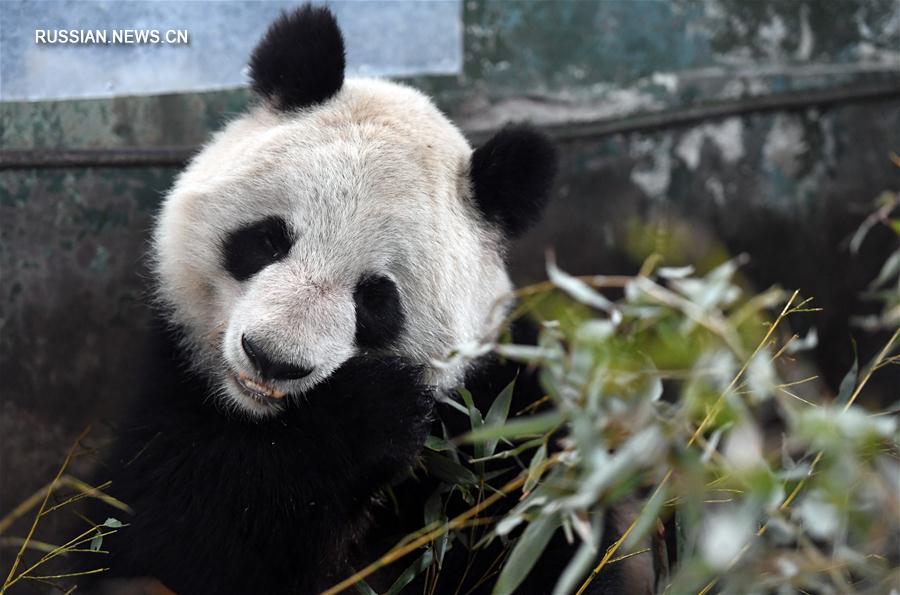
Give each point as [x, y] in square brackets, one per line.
[339, 218]
[299, 239]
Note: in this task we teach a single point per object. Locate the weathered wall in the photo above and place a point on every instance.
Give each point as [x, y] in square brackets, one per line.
[805, 105]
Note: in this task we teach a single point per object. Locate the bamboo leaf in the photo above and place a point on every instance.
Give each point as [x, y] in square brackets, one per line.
[849, 381]
[576, 288]
[528, 548]
[497, 415]
[413, 570]
[534, 468]
[529, 426]
[647, 518]
[475, 419]
[889, 270]
[447, 470]
[96, 542]
[581, 562]
[438, 444]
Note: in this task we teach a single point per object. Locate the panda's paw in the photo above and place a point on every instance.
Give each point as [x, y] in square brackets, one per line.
[385, 410]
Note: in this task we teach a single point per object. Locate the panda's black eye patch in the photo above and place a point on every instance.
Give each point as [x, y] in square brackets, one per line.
[249, 249]
[379, 313]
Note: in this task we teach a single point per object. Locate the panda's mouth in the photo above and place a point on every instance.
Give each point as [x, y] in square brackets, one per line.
[257, 390]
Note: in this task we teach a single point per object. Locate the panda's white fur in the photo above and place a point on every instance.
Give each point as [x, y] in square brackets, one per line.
[375, 179]
[317, 259]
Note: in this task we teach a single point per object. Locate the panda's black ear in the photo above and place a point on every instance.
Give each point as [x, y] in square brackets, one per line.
[300, 60]
[512, 175]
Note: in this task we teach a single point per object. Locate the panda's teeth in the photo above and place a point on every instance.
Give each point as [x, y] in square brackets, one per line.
[261, 389]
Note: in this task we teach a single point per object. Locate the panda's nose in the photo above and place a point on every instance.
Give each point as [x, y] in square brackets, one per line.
[270, 368]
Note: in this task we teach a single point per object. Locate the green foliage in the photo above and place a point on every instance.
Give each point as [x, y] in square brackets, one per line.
[680, 393]
[885, 289]
[676, 396]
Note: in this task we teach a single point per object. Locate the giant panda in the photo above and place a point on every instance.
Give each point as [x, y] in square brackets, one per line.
[313, 263]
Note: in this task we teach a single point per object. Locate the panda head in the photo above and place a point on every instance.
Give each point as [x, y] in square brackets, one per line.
[338, 218]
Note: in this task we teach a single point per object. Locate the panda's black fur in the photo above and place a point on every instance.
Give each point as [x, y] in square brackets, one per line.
[379, 312]
[223, 504]
[291, 81]
[513, 174]
[252, 247]
[226, 504]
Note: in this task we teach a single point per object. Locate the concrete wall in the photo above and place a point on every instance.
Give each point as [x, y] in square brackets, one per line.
[699, 128]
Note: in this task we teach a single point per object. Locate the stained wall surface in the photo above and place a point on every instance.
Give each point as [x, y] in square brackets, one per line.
[702, 129]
